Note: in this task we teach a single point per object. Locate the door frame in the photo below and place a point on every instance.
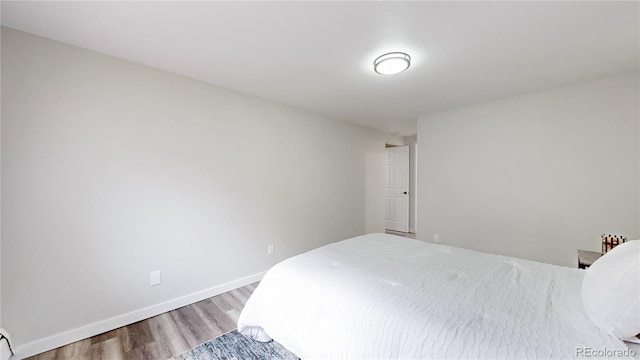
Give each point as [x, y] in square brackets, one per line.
[408, 193]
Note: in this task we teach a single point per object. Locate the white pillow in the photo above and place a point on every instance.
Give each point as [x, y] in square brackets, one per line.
[611, 291]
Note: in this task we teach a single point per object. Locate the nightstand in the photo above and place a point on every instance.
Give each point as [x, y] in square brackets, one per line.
[586, 258]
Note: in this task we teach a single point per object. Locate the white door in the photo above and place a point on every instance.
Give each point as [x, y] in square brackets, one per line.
[397, 188]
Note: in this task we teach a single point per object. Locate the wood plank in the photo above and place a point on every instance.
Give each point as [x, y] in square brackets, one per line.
[216, 319]
[148, 351]
[135, 335]
[189, 323]
[246, 293]
[109, 348]
[235, 300]
[234, 315]
[222, 303]
[169, 340]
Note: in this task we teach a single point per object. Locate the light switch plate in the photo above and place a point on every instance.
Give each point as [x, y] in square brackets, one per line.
[155, 278]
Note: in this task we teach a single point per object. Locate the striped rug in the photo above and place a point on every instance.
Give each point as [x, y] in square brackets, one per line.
[235, 346]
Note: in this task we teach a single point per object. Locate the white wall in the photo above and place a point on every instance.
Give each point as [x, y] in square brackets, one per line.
[537, 176]
[111, 169]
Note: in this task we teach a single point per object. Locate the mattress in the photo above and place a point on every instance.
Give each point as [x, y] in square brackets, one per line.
[383, 296]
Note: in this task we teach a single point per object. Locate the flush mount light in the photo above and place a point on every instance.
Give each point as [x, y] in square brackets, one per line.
[392, 63]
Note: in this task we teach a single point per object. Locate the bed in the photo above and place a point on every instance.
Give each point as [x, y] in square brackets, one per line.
[381, 296]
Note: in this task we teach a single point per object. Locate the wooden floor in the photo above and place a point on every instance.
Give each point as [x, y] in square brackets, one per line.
[162, 336]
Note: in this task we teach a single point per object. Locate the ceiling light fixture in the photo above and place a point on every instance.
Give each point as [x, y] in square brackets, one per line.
[392, 63]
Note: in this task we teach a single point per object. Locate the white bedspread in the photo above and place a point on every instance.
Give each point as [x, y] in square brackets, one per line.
[382, 296]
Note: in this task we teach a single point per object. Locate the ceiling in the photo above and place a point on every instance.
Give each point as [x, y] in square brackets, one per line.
[319, 56]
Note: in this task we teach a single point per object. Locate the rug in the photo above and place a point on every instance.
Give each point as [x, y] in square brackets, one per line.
[235, 346]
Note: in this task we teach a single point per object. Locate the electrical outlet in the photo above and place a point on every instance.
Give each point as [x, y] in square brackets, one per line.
[436, 238]
[155, 278]
[270, 249]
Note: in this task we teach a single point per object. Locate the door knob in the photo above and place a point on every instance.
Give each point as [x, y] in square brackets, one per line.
[405, 193]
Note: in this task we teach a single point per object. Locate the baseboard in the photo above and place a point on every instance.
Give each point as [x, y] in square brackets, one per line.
[68, 337]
